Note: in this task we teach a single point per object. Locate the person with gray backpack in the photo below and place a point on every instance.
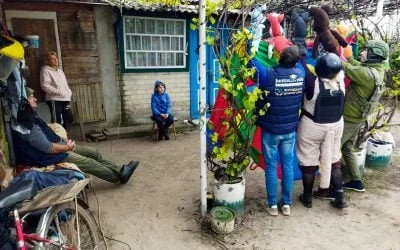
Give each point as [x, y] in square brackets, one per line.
[365, 90]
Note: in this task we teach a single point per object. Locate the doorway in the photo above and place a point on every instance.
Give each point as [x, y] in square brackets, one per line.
[43, 25]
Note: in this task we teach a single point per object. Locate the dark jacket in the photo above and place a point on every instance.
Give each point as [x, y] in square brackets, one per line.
[285, 88]
[29, 155]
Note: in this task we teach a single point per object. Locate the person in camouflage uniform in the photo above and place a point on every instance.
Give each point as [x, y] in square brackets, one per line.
[363, 94]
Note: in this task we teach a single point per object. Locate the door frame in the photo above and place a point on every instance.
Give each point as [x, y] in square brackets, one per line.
[36, 15]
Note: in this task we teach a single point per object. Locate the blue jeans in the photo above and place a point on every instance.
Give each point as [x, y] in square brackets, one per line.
[278, 147]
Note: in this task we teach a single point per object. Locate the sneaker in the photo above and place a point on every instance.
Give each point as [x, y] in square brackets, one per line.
[285, 209]
[272, 210]
[324, 194]
[354, 185]
[339, 203]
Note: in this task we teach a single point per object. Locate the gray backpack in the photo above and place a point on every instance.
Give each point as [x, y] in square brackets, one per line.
[376, 96]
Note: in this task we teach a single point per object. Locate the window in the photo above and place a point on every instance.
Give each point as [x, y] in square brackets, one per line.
[154, 43]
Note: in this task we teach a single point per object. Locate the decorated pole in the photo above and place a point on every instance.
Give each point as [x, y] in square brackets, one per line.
[203, 106]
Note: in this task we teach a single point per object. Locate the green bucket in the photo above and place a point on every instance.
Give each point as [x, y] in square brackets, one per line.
[222, 219]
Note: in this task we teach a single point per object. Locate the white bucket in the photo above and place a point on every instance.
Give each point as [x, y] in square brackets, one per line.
[379, 154]
[33, 41]
[230, 195]
[360, 159]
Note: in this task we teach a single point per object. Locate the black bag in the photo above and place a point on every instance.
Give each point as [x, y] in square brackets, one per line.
[328, 106]
[25, 114]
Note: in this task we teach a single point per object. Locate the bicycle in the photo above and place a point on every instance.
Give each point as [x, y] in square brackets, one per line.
[64, 222]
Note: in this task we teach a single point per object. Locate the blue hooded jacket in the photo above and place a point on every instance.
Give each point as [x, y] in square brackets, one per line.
[160, 104]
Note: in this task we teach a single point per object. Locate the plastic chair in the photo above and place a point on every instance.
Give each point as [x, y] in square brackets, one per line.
[154, 129]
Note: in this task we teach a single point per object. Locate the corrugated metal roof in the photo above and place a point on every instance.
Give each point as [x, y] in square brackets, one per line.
[341, 9]
[188, 7]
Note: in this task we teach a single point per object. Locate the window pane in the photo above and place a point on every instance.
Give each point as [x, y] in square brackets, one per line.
[131, 59]
[150, 26]
[174, 43]
[170, 27]
[146, 44]
[179, 59]
[136, 42]
[155, 43]
[160, 29]
[129, 25]
[152, 59]
[142, 60]
[170, 59]
[139, 25]
[128, 42]
[181, 44]
[165, 43]
[162, 59]
[179, 28]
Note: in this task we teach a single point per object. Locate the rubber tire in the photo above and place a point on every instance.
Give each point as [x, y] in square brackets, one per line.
[84, 217]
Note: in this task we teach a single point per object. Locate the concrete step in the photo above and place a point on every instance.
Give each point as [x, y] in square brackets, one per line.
[143, 130]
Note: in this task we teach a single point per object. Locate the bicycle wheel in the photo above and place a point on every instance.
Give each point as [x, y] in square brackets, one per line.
[60, 225]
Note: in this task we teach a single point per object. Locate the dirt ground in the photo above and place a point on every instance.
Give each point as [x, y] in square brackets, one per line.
[159, 207]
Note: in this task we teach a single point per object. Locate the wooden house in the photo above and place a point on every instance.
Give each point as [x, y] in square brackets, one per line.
[112, 54]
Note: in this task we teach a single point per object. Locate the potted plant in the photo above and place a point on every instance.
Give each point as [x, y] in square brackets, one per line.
[232, 123]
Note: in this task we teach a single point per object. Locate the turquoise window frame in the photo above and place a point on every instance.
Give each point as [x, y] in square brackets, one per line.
[121, 41]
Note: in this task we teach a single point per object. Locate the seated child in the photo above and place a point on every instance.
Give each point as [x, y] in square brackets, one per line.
[161, 107]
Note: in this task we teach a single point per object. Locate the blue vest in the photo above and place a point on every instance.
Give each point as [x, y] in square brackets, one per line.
[28, 155]
[285, 88]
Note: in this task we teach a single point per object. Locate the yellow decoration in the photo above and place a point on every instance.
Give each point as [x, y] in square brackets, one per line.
[15, 50]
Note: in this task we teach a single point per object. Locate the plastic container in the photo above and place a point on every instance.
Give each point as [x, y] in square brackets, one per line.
[230, 195]
[222, 220]
[360, 159]
[379, 154]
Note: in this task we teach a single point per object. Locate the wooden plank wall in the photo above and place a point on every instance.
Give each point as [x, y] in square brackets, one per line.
[78, 41]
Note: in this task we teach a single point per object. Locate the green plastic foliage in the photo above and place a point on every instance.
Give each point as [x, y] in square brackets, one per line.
[234, 147]
[394, 89]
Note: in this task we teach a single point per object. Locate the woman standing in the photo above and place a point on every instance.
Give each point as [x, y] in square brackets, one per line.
[320, 130]
[58, 94]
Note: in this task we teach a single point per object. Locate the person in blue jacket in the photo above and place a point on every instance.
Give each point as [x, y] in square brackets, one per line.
[161, 107]
[285, 84]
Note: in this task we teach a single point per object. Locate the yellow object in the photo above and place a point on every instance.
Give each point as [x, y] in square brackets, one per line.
[311, 69]
[12, 49]
[344, 30]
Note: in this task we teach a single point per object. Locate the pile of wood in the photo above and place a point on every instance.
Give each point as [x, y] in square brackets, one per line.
[97, 135]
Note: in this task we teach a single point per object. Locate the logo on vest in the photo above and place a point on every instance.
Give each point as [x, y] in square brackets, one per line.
[290, 85]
